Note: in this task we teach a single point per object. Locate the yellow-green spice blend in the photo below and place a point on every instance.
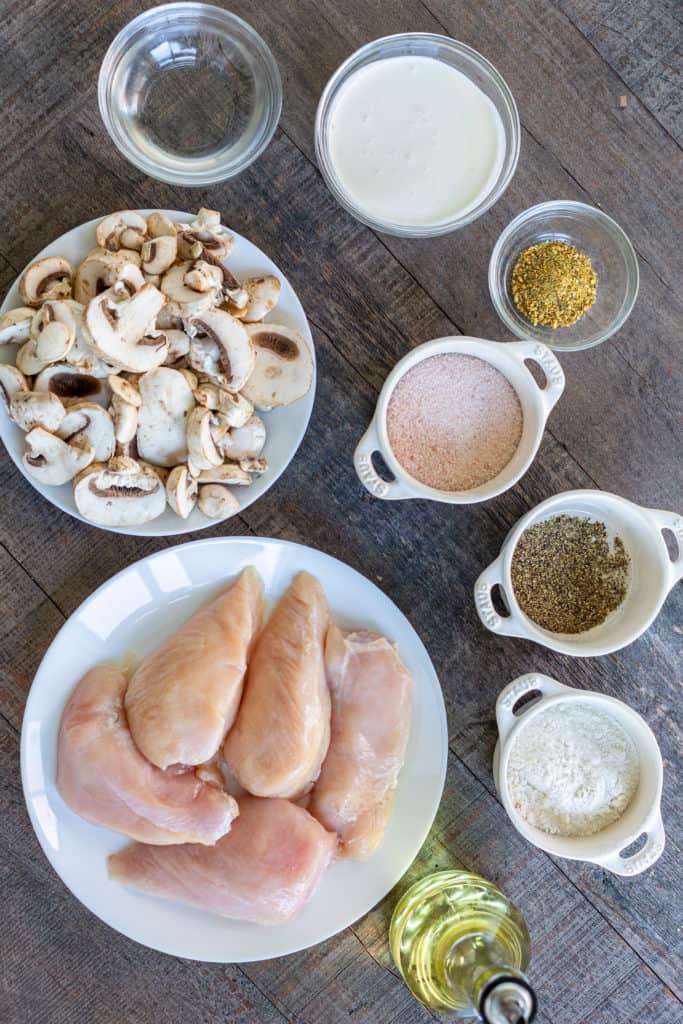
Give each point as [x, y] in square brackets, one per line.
[553, 284]
[566, 575]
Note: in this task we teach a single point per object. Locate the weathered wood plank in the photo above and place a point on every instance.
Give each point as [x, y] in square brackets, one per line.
[642, 40]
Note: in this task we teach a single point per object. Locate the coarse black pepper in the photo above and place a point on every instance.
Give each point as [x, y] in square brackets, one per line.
[566, 576]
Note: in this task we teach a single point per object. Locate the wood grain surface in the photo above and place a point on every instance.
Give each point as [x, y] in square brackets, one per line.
[605, 950]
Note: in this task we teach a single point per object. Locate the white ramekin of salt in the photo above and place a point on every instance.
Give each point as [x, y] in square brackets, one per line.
[459, 420]
[579, 774]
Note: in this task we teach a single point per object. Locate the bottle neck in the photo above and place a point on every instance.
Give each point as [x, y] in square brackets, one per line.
[504, 996]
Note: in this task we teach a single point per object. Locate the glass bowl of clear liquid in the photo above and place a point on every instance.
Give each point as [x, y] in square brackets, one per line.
[189, 93]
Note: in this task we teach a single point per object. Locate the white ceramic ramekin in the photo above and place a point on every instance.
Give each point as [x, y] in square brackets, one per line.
[643, 814]
[653, 573]
[537, 402]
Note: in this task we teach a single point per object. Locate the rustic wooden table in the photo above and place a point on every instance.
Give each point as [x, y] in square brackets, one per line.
[605, 950]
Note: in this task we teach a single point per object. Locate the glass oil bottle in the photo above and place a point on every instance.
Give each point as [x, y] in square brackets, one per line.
[462, 947]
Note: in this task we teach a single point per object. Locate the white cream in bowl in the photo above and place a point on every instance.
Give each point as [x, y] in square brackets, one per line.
[415, 141]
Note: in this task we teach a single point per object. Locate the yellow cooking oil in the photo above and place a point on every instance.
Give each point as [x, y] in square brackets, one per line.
[454, 936]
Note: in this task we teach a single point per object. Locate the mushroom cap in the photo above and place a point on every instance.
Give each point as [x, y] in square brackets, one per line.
[102, 269]
[235, 408]
[126, 390]
[158, 254]
[201, 448]
[181, 491]
[167, 402]
[52, 461]
[204, 277]
[12, 382]
[125, 418]
[109, 230]
[183, 301]
[263, 294]
[87, 424]
[119, 493]
[120, 329]
[82, 353]
[72, 384]
[15, 325]
[245, 442]
[283, 370]
[53, 342]
[159, 224]
[31, 409]
[217, 501]
[49, 278]
[232, 353]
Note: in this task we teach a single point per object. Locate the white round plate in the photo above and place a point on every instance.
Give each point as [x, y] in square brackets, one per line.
[285, 427]
[130, 615]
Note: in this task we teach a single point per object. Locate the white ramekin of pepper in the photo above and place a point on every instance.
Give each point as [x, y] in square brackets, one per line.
[584, 573]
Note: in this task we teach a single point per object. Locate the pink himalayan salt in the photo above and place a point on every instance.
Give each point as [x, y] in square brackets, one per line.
[454, 422]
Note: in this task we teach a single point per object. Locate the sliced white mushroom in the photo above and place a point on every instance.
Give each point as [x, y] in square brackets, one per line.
[49, 278]
[54, 330]
[109, 231]
[126, 390]
[52, 461]
[229, 475]
[217, 501]
[120, 493]
[12, 383]
[245, 442]
[125, 420]
[181, 491]
[160, 471]
[82, 353]
[158, 254]
[168, 320]
[27, 359]
[167, 402]
[121, 332]
[202, 451]
[234, 407]
[88, 425]
[255, 466]
[102, 269]
[15, 325]
[204, 277]
[183, 301]
[283, 371]
[178, 344]
[73, 383]
[204, 236]
[31, 409]
[263, 294]
[158, 224]
[231, 359]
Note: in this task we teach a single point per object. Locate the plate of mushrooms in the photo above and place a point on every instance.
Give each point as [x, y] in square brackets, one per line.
[157, 372]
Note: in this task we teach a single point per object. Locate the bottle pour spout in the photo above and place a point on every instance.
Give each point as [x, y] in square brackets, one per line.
[507, 1000]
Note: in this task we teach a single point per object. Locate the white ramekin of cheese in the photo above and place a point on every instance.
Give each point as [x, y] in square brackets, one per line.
[504, 360]
[641, 816]
[417, 134]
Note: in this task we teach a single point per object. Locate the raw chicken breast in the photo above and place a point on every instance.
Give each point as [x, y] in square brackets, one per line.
[371, 708]
[184, 696]
[282, 731]
[104, 778]
[265, 870]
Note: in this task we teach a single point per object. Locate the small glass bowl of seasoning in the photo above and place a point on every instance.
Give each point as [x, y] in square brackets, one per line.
[189, 93]
[565, 274]
[584, 573]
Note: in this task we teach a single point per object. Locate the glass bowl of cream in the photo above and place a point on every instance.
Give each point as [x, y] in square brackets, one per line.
[417, 135]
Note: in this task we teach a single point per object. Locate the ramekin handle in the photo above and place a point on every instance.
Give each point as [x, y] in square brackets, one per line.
[514, 691]
[368, 476]
[674, 522]
[507, 625]
[646, 856]
[549, 363]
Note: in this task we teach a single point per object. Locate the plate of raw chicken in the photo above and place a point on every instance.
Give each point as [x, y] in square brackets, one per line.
[234, 749]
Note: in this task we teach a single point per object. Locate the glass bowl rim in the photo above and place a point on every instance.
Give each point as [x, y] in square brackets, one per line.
[586, 211]
[396, 41]
[176, 12]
